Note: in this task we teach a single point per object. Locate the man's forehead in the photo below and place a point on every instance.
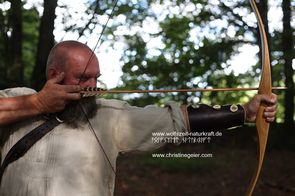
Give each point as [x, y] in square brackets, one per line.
[82, 54]
[82, 62]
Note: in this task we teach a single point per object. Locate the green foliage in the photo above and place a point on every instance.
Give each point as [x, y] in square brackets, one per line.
[192, 53]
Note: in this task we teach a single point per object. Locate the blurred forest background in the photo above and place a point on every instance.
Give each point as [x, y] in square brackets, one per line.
[195, 41]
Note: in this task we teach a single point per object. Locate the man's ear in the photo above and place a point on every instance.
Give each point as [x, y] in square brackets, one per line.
[52, 73]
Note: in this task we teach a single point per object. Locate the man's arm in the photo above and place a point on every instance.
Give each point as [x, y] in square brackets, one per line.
[52, 98]
[206, 118]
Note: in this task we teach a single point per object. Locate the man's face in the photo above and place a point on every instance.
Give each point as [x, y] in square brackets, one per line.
[76, 64]
[75, 73]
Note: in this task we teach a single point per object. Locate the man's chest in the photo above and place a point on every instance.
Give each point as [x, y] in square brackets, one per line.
[64, 160]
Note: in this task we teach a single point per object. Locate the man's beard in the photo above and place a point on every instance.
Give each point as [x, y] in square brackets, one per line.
[78, 112]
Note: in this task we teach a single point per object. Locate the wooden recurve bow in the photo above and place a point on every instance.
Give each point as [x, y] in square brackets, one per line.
[265, 87]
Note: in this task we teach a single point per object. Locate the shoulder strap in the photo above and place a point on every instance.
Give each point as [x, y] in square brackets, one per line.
[20, 148]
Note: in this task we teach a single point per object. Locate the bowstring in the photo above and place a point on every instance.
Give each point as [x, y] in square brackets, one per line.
[90, 59]
[99, 39]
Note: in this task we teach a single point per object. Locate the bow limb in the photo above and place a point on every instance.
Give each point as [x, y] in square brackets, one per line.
[264, 88]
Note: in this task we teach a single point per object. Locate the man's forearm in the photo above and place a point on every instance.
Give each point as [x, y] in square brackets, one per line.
[206, 118]
[17, 108]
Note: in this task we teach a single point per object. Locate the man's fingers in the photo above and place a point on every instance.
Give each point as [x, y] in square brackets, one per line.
[58, 78]
[72, 88]
[73, 96]
[269, 99]
[271, 108]
[72, 92]
[269, 114]
[270, 119]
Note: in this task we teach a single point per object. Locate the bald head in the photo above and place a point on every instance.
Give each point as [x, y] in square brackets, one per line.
[71, 57]
[60, 54]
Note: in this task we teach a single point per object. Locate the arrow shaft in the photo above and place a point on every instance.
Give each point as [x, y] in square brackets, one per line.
[93, 91]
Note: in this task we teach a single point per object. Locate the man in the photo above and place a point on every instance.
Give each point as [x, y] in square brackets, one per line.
[79, 156]
[52, 98]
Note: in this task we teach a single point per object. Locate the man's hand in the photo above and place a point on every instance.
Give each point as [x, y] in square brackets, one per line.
[251, 108]
[54, 97]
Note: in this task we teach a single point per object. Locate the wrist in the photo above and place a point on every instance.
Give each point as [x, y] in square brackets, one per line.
[36, 104]
[248, 117]
[245, 113]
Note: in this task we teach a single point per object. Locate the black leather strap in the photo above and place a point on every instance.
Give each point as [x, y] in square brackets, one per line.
[206, 118]
[20, 148]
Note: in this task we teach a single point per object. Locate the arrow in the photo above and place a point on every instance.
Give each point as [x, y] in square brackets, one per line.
[92, 91]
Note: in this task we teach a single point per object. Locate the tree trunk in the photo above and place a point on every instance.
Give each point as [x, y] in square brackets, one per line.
[288, 51]
[15, 67]
[4, 52]
[45, 43]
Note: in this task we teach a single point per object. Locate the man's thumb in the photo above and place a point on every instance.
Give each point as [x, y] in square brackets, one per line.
[58, 78]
